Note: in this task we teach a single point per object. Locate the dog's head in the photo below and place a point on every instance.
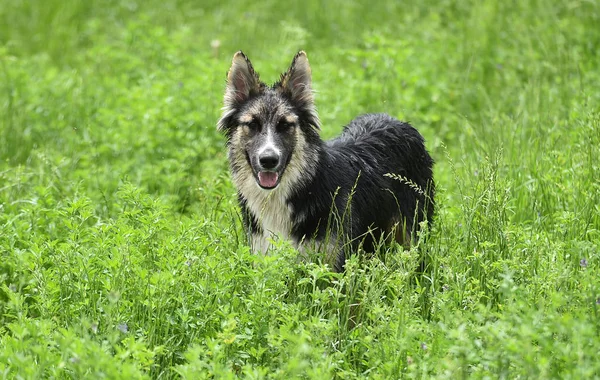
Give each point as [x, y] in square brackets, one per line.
[268, 128]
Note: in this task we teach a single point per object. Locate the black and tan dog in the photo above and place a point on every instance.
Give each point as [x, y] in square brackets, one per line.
[372, 183]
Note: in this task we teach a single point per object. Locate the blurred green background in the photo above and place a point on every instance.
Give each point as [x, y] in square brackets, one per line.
[122, 251]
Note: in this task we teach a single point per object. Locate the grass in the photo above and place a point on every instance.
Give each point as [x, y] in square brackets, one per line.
[122, 252]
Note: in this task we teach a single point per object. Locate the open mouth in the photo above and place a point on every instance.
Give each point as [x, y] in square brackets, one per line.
[268, 180]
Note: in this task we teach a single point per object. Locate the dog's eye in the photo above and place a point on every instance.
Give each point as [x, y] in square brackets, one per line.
[284, 124]
[254, 125]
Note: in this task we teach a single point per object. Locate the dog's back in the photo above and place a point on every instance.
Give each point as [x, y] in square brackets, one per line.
[377, 175]
[394, 157]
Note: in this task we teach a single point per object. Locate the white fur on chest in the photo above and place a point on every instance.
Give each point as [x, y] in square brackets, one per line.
[271, 211]
[274, 216]
[270, 208]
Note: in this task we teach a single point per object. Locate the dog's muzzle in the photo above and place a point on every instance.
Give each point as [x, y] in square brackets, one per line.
[268, 173]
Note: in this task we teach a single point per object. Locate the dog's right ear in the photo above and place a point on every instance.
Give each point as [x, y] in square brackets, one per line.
[242, 80]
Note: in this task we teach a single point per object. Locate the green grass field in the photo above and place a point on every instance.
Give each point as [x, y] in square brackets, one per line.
[122, 252]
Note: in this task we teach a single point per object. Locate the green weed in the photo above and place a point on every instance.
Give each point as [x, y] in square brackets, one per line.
[122, 252]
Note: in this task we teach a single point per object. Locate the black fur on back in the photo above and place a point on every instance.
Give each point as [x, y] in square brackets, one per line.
[357, 161]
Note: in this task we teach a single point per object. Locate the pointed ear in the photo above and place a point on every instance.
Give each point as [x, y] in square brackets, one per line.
[297, 81]
[242, 80]
[297, 84]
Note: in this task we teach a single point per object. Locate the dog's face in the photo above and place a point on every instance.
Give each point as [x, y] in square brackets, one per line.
[267, 127]
[267, 134]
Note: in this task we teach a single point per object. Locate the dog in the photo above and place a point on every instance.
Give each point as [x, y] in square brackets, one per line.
[372, 184]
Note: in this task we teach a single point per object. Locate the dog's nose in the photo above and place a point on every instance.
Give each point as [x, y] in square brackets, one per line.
[269, 159]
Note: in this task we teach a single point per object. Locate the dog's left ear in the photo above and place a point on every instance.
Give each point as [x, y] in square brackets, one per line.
[297, 84]
[297, 81]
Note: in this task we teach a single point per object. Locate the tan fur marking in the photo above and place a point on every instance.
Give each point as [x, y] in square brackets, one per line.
[291, 119]
[246, 118]
[398, 232]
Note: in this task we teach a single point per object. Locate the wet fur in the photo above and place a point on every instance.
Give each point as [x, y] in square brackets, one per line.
[333, 195]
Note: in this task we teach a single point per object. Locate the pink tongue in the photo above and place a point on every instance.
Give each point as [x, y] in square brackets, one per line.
[267, 179]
